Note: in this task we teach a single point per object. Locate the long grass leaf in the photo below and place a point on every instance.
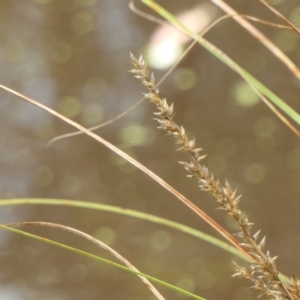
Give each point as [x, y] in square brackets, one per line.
[225, 59]
[131, 213]
[75, 250]
[138, 165]
[95, 241]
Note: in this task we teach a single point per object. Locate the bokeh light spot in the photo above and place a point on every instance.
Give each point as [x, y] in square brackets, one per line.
[95, 88]
[70, 185]
[117, 159]
[164, 54]
[226, 147]
[216, 163]
[106, 235]
[285, 40]
[61, 52]
[46, 275]
[160, 240]
[244, 95]
[231, 223]
[137, 135]
[264, 126]
[254, 173]
[69, 106]
[91, 114]
[185, 79]
[44, 176]
[83, 23]
[295, 17]
[128, 168]
[186, 282]
[45, 132]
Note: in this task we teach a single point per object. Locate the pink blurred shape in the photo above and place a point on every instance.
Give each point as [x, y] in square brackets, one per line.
[166, 44]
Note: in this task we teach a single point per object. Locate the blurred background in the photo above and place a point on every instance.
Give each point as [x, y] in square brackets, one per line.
[73, 56]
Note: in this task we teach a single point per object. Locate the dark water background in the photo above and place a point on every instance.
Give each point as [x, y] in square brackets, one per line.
[74, 57]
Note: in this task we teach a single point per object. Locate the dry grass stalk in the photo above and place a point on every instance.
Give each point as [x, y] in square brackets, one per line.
[140, 166]
[212, 48]
[259, 36]
[262, 271]
[98, 243]
[276, 12]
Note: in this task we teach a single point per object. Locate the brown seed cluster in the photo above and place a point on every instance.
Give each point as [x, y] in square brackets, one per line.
[262, 271]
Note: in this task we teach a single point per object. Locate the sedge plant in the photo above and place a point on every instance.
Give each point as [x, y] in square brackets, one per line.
[262, 270]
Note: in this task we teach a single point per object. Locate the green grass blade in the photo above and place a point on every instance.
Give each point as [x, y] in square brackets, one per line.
[57, 244]
[225, 59]
[132, 213]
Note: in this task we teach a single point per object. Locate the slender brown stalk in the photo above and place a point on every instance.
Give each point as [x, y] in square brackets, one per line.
[262, 272]
[264, 22]
[275, 111]
[259, 36]
[233, 65]
[124, 113]
[140, 166]
[97, 242]
[277, 13]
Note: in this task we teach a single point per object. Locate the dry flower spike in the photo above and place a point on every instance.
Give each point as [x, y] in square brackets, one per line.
[262, 271]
